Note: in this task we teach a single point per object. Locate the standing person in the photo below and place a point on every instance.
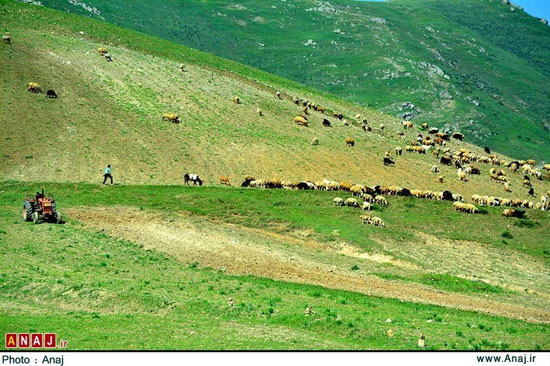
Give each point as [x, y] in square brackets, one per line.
[107, 174]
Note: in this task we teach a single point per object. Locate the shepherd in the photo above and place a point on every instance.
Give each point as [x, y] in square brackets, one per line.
[107, 174]
[192, 178]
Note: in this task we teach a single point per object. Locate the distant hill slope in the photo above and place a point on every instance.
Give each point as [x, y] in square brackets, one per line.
[473, 65]
[110, 112]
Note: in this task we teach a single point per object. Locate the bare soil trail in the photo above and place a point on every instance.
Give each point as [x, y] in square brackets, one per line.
[243, 251]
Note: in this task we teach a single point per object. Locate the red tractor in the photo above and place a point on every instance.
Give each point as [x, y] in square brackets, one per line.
[40, 207]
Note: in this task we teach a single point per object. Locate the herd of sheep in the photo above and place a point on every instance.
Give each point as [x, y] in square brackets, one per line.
[462, 159]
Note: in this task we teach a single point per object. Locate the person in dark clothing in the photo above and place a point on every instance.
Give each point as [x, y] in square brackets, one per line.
[107, 174]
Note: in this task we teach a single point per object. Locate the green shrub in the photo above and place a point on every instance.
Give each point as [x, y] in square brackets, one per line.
[506, 234]
[524, 223]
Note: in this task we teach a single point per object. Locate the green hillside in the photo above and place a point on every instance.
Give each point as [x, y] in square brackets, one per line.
[152, 267]
[148, 263]
[472, 65]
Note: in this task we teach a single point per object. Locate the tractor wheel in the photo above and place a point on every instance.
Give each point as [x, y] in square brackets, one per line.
[35, 217]
[27, 211]
[58, 217]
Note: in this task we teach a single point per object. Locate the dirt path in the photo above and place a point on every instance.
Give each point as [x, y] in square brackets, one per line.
[241, 251]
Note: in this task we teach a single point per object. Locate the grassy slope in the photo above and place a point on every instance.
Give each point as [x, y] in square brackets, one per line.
[490, 54]
[217, 137]
[99, 292]
[110, 113]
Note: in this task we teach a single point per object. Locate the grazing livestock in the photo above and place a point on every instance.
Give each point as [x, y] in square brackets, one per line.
[247, 181]
[300, 121]
[225, 181]
[258, 183]
[236, 100]
[345, 186]
[367, 197]
[546, 167]
[273, 183]
[472, 169]
[407, 124]
[376, 221]
[6, 39]
[465, 207]
[388, 161]
[428, 142]
[101, 51]
[443, 135]
[457, 197]
[326, 122]
[172, 117]
[513, 166]
[513, 213]
[34, 87]
[338, 115]
[398, 151]
[445, 160]
[446, 196]
[458, 136]
[366, 206]
[108, 57]
[487, 150]
[434, 169]
[192, 178]
[351, 202]
[338, 201]
[51, 94]
[440, 179]
[315, 141]
[424, 126]
[259, 111]
[357, 189]
[382, 127]
[278, 94]
[461, 175]
[350, 142]
[182, 67]
[381, 200]
[305, 185]
[366, 128]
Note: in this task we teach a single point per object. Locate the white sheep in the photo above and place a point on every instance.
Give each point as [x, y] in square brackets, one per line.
[338, 201]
